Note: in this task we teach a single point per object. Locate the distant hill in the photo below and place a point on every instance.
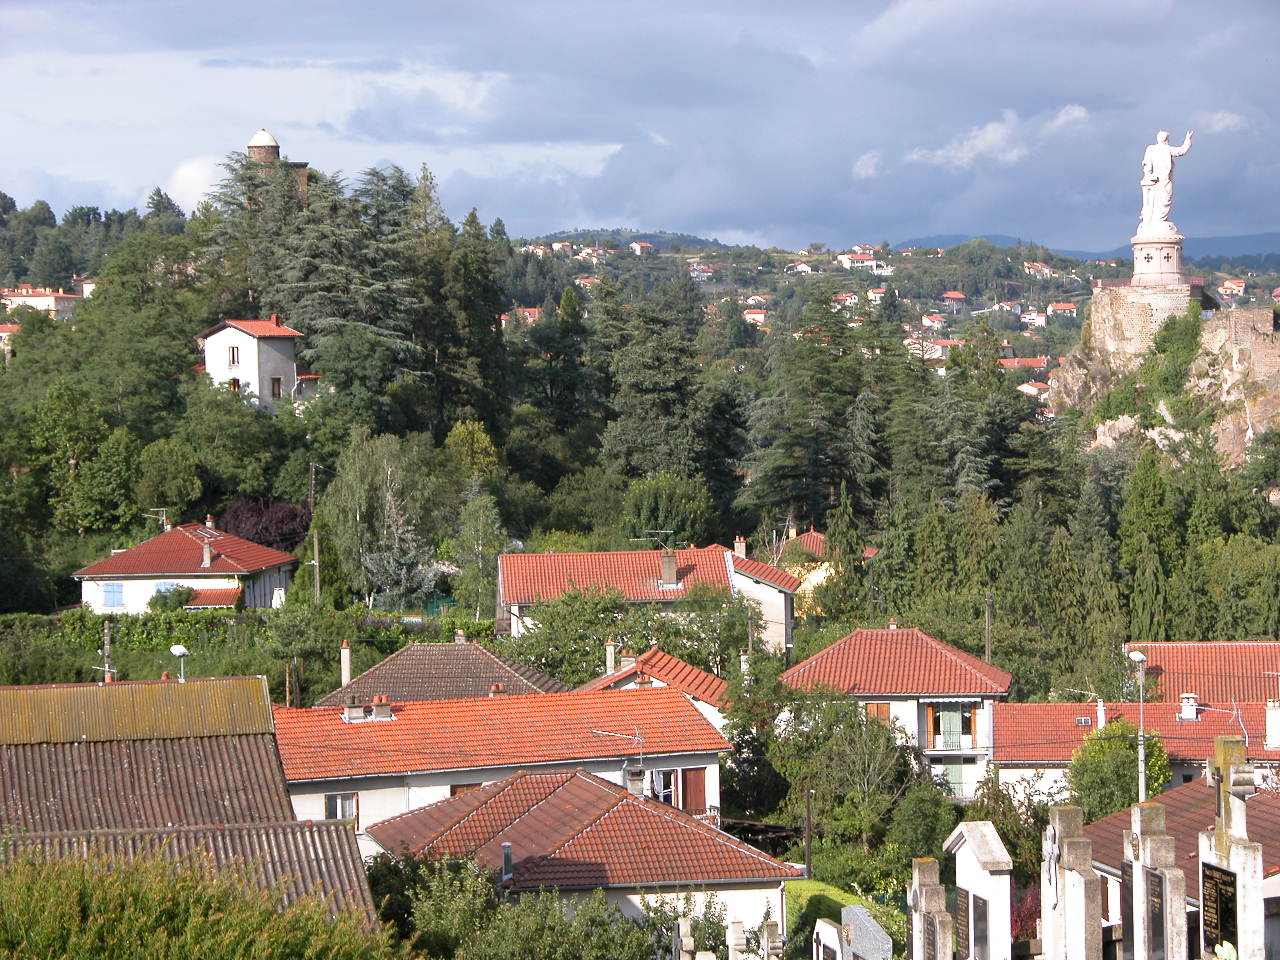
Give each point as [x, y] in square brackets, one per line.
[1253, 243]
[617, 237]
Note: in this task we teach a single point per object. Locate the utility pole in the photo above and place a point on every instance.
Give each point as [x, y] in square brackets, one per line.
[990, 601]
[808, 835]
[107, 673]
[315, 537]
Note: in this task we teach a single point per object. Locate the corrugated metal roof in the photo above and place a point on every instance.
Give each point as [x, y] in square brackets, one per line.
[148, 710]
[319, 859]
[142, 783]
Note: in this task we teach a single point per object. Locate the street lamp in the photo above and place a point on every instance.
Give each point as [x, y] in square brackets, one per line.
[181, 652]
[1140, 658]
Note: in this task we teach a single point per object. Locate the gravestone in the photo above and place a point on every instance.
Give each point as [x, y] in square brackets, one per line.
[984, 892]
[682, 947]
[861, 937]
[1153, 895]
[1070, 890]
[1231, 908]
[930, 922]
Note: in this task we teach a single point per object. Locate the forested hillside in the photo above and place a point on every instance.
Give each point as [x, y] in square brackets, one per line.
[642, 401]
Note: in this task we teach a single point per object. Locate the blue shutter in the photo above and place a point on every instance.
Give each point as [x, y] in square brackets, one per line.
[113, 594]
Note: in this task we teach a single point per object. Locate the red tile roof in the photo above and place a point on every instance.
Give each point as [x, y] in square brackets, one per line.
[1048, 732]
[952, 295]
[254, 328]
[669, 670]
[899, 662]
[1018, 363]
[574, 830]
[180, 551]
[811, 541]
[1217, 672]
[1189, 809]
[530, 577]
[10, 327]
[545, 728]
[225, 597]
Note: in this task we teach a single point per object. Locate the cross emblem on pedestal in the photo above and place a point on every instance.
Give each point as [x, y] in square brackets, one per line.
[1148, 258]
[1168, 255]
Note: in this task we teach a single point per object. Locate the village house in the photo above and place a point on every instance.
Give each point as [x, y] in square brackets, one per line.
[954, 299]
[537, 249]
[1231, 289]
[1214, 672]
[1034, 318]
[940, 697]
[561, 246]
[7, 331]
[664, 578]
[798, 267]
[58, 304]
[222, 570]
[366, 764]
[574, 832]
[586, 283]
[1063, 309]
[640, 247]
[525, 316]
[758, 299]
[657, 668]
[807, 556]
[1036, 389]
[933, 321]
[1041, 271]
[437, 671]
[1025, 363]
[257, 358]
[754, 315]
[875, 294]
[166, 768]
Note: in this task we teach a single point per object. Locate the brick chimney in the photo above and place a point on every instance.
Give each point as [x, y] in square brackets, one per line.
[668, 562]
[634, 778]
[498, 690]
[644, 680]
[739, 546]
[382, 707]
[628, 660]
[275, 318]
[459, 636]
[610, 660]
[208, 521]
[206, 550]
[893, 623]
[1190, 707]
[353, 709]
[344, 661]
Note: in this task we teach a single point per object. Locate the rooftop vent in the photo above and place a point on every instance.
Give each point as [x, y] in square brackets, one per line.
[382, 707]
[668, 562]
[353, 709]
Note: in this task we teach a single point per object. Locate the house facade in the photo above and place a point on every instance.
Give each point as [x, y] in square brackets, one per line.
[58, 304]
[369, 764]
[257, 358]
[223, 570]
[941, 698]
[664, 578]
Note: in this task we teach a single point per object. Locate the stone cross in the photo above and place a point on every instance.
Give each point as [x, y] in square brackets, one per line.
[930, 922]
[1070, 890]
[1153, 891]
[736, 938]
[1231, 908]
[684, 945]
[984, 892]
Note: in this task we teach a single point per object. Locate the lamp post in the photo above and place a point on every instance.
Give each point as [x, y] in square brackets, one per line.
[1140, 658]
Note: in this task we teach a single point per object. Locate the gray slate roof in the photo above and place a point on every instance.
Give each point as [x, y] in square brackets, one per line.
[442, 671]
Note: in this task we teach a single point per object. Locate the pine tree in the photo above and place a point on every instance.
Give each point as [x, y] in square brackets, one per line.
[1148, 617]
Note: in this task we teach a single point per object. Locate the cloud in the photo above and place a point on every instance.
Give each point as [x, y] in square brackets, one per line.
[1224, 121]
[1069, 116]
[191, 180]
[1000, 140]
[867, 166]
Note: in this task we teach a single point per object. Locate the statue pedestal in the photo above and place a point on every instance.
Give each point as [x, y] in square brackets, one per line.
[1157, 260]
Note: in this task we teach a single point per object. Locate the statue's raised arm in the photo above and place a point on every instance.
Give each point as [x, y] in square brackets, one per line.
[1157, 184]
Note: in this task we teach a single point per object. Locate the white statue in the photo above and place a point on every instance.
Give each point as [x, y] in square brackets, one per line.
[1157, 184]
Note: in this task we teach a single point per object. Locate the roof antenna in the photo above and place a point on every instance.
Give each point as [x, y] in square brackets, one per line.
[161, 514]
[654, 538]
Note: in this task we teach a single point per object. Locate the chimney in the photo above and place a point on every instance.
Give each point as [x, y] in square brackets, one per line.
[206, 559]
[644, 680]
[739, 546]
[459, 636]
[164, 675]
[506, 860]
[344, 660]
[1190, 709]
[610, 648]
[208, 521]
[498, 690]
[275, 318]
[1102, 713]
[628, 660]
[1272, 741]
[634, 777]
[353, 709]
[668, 561]
[893, 623]
[382, 707]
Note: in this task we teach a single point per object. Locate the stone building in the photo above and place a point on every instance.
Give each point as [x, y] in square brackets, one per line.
[265, 149]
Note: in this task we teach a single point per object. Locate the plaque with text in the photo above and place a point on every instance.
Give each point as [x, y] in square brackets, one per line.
[962, 923]
[1126, 909]
[981, 949]
[1155, 913]
[1217, 907]
[930, 937]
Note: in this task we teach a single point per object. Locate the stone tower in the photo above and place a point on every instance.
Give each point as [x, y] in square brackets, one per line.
[265, 149]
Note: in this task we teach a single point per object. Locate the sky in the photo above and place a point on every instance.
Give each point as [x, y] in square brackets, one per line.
[749, 121]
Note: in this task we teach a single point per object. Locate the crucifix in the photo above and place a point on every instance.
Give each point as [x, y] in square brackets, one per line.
[1148, 257]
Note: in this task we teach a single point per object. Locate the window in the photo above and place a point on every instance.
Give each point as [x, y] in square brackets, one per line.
[878, 711]
[277, 388]
[113, 594]
[233, 356]
[234, 384]
[693, 789]
[948, 723]
[164, 587]
[664, 786]
[457, 788]
[341, 806]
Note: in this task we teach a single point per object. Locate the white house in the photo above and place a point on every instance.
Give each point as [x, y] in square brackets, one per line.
[223, 570]
[1034, 318]
[368, 764]
[573, 832]
[664, 578]
[942, 698]
[640, 247]
[798, 267]
[257, 358]
[58, 304]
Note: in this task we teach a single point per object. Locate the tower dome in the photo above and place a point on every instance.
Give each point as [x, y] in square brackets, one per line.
[263, 147]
